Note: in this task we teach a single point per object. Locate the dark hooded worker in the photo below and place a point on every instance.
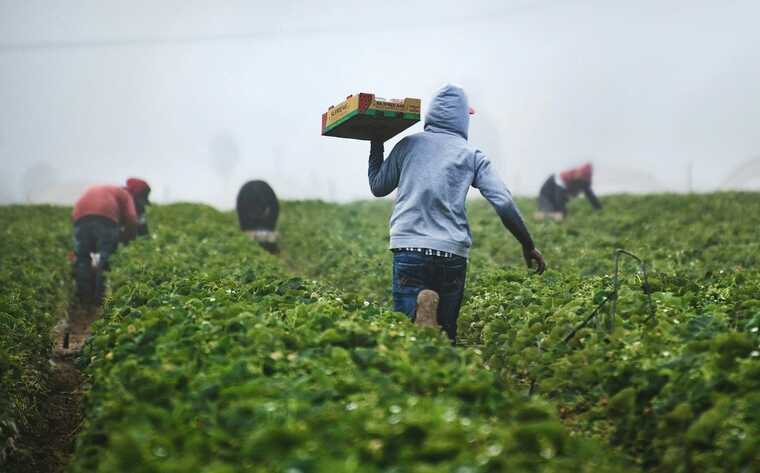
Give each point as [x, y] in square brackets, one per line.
[429, 233]
[140, 190]
[559, 189]
[257, 210]
[102, 217]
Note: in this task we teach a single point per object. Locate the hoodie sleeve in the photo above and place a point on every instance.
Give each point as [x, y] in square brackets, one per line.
[384, 175]
[495, 192]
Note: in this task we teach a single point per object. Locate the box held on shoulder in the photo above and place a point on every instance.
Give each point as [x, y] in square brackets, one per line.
[366, 117]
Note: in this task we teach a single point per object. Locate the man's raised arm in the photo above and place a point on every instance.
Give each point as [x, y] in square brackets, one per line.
[384, 174]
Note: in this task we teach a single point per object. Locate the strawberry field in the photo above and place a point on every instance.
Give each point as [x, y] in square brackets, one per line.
[675, 392]
[214, 356]
[34, 289]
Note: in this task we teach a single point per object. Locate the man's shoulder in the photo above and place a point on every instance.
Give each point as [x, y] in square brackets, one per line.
[105, 188]
[454, 145]
[420, 135]
[98, 190]
[117, 192]
[410, 141]
[449, 138]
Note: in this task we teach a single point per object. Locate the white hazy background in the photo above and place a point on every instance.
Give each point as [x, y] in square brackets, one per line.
[198, 97]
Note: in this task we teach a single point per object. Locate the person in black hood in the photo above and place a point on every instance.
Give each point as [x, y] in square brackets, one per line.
[257, 210]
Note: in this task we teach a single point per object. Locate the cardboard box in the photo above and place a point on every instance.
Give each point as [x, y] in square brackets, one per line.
[365, 117]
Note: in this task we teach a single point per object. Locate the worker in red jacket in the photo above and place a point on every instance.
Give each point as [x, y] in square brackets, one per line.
[559, 189]
[102, 217]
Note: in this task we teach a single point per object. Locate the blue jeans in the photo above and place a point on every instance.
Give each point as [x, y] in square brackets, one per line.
[414, 271]
[93, 234]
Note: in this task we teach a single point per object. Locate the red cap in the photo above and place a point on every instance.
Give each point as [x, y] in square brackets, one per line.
[581, 173]
[137, 186]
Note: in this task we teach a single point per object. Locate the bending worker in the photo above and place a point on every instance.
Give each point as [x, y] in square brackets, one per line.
[257, 210]
[558, 190]
[102, 217]
[429, 234]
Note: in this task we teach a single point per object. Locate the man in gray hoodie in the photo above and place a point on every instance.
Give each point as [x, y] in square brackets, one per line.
[429, 234]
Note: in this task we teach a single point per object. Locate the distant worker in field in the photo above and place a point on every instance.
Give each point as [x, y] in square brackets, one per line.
[257, 210]
[102, 217]
[429, 233]
[559, 189]
[140, 191]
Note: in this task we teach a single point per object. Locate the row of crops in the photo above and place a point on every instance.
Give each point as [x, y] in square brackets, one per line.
[34, 290]
[212, 358]
[680, 392]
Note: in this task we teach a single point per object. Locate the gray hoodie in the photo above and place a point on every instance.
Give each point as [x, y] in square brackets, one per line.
[433, 171]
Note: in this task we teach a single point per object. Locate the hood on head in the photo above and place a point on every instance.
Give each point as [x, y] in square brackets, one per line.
[138, 188]
[449, 112]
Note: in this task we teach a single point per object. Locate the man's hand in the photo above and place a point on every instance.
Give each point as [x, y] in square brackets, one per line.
[534, 256]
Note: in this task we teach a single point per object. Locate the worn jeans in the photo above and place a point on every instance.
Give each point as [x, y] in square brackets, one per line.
[93, 234]
[414, 271]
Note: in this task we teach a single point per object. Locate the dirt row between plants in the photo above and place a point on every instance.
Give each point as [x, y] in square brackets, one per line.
[47, 446]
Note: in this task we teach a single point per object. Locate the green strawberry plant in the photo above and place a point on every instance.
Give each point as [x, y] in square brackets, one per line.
[677, 393]
[211, 357]
[34, 289]
[214, 356]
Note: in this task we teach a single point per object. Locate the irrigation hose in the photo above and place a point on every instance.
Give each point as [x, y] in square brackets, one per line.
[613, 296]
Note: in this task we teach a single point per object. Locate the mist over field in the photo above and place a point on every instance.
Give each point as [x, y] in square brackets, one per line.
[198, 97]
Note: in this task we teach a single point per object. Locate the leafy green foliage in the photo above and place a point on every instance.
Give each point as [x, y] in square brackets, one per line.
[212, 358]
[34, 289]
[679, 393]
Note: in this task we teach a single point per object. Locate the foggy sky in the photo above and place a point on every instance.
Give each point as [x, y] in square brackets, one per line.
[198, 97]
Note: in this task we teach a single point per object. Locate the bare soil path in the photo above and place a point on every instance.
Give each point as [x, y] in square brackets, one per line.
[48, 445]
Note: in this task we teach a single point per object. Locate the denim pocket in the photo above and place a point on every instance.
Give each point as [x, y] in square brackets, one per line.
[453, 276]
[409, 275]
